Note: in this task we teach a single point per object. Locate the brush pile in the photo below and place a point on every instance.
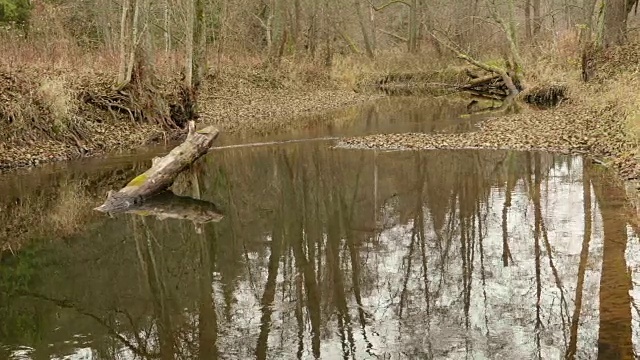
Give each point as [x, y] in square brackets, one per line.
[486, 84]
[546, 95]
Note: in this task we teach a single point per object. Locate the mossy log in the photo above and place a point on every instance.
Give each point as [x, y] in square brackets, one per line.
[163, 171]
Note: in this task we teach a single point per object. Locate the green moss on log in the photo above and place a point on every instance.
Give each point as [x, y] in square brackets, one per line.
[138, 180]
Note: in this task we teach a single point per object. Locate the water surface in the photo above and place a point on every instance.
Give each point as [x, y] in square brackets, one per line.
[327, 253]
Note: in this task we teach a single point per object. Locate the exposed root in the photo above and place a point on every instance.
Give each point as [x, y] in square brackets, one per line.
[145, 105]
[47, 115]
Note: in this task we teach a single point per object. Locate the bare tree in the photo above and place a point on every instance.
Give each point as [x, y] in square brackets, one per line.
[527, 20]
[194, 44]
[412, 5]
[128, 40]
[537, 18]
[368, 45]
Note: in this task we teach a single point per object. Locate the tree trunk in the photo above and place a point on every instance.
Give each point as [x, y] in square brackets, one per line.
[295, 24]
[220, 38]
[199, 38]
[372, 20]
[512, 37]
[615, 23]
[167, 205]
[125, 41]
[365, 33]
[312, 42]
[163, 171]
[537, 19]
[589, 9]
[329, 32]
[189, 38]
[413, 27]
[268, 26]
[167, 24]
[527, 20]
[134, 43]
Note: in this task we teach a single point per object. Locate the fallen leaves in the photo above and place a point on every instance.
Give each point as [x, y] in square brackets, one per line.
[571, 128]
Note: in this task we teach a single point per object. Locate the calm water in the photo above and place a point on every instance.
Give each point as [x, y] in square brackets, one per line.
[326, 253]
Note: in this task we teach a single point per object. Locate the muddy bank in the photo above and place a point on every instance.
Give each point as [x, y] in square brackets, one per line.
[54, 116]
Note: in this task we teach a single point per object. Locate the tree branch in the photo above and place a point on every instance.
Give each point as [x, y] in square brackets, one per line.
[389, 3]
[262, 23]
[398, 37]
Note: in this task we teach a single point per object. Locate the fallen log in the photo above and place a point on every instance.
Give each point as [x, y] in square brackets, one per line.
[481, 81]
[163, 171]
[485, 95]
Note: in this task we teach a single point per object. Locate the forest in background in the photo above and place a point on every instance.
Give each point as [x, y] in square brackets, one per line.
[78, 73]
[197, 37]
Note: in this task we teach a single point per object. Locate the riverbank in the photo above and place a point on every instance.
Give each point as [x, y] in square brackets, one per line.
[51, 116]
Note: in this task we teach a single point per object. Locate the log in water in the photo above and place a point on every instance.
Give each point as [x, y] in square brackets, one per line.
[163, 171]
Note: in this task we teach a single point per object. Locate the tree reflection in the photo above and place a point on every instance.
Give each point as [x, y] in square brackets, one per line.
[584, 256]
[614, 336]
[326, 253]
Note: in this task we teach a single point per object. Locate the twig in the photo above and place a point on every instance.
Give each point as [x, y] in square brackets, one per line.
[389, 3]
[393, 35]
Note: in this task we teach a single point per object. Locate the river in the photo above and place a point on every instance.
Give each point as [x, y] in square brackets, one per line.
[327, 253]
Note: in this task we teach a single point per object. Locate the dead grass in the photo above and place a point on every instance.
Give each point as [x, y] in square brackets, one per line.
[61, 101]
[353, 71]
[623, 94]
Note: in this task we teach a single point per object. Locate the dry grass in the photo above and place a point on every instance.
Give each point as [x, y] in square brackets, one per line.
[623, 94]
[352, 71]
[60, 100]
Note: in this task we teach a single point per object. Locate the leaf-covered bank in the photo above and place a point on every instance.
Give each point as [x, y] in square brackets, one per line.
[56, 116]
